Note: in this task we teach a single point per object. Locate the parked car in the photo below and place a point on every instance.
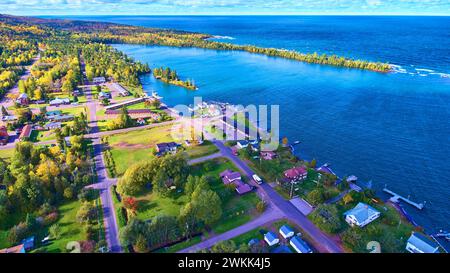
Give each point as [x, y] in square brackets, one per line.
[257, 179]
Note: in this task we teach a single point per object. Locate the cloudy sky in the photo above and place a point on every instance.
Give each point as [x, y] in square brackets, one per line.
[140, 7]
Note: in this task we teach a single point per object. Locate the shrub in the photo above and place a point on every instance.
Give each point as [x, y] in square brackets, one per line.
[55, 231]
[261, 206]
[51, 218]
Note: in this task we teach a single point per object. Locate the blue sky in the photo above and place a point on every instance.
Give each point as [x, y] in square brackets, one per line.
[142, 7]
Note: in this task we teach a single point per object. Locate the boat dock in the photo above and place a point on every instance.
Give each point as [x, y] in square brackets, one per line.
[397, 197]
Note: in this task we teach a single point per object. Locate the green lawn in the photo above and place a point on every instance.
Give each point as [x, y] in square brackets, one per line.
[71, 229]
[151, 205]
[207, 148]
[38, 136]
[270, 170]
[135, 146]
[74, 110]
[7, 153]
[237, 210]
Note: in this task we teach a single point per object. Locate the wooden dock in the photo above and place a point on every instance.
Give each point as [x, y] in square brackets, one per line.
[397, 197]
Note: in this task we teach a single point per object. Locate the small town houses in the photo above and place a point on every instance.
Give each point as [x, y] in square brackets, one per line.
[166, 148]
[419, 243]
[299, 245]
[23, 99]
[26, 133]
[296, 174]
[288, 235]
[234, 178]
[361, 215]
[98, 80]
[58, 102]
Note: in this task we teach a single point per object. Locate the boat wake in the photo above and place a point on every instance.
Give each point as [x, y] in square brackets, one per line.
[223, 37]
[420, 72]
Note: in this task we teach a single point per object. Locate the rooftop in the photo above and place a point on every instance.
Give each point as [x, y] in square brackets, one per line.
[295, 172]
[362, 212]
[270, 236]
[421, 242]
[300, 245]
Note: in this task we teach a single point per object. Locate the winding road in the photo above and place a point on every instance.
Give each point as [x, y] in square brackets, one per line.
[322, 242]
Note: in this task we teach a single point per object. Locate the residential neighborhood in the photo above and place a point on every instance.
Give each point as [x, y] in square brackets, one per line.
[96, 158]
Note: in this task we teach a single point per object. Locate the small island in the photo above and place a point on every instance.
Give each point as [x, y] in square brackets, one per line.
[170, 76]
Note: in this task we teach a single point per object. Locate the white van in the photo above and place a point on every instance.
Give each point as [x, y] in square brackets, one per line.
[257, 179]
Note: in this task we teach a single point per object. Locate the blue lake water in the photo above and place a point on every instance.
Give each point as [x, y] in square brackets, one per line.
[389, 128]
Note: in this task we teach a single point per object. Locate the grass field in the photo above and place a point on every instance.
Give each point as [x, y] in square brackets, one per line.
[151, 205]
[7, 153]
[207, 148]
[71, 230]
[38, 136]
[135, 146]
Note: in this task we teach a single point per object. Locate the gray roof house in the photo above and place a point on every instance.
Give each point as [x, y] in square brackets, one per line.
[299, 245]
[361, 215]
[418, 243]
[271, 238]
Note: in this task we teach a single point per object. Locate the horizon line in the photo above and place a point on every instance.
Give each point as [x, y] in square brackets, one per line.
[242, 14]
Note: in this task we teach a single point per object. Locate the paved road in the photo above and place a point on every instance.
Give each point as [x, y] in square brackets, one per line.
[104, 183]
[5, 101]
[271, 214]
[322, 242]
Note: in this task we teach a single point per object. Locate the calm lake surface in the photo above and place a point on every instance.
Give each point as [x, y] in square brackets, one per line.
[391, 129]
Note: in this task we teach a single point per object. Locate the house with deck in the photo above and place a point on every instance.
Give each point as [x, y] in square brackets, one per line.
[419, 243]
[361, 215]
[296, 174]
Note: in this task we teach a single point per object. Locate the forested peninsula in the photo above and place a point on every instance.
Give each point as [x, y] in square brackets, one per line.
[110, 33]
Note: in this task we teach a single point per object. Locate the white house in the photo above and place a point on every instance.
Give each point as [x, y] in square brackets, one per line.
[271, 238]
[418, 243]
[57, 102]
[361, 215]
[299, 245]
[286, 232]
[98, 80]
[241, 144]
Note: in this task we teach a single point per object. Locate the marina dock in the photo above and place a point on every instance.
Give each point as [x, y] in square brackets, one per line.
[397, 197]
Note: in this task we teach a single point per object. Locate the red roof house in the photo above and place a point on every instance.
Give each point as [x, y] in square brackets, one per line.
[296, 174]
[234, 178]
[3, 135]
[26, 132]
